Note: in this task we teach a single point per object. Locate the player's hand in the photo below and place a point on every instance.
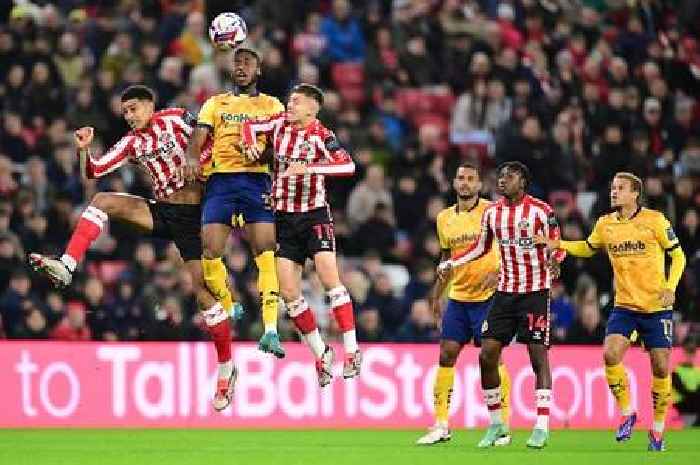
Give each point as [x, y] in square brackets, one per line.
[295, 169]
[251, 152]
[491, 280]
[551, 244]
[554, 267]
[191, 170]
[667, 297]
[83, 137]
[444, 269]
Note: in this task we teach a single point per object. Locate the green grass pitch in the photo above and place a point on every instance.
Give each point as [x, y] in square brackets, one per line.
[327, 447]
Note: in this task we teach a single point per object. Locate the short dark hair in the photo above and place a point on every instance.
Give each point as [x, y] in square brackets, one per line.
[309, 90]
[520, 168]
[471, 166]
[138, 92]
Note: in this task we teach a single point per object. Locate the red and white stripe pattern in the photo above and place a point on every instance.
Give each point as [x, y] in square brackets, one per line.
[523, 264]
[159, 148]
[95, 216]
[315, 146]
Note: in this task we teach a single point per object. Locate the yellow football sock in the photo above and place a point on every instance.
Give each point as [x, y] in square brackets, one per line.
[661, 395]
[269, 288]
[505, 393]
[442, 393]
[216, 280]
[619, 386]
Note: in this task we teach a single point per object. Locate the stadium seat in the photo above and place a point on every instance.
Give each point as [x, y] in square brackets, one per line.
[348, 74]
[354, 95]
[411, 101]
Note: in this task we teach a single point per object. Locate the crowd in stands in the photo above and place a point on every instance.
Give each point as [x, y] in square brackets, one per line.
[575, 89]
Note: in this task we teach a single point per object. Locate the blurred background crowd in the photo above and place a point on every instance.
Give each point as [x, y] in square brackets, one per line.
[575, 89]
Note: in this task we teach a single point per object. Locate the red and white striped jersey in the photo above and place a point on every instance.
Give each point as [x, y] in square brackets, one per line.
[159, 148]
[315, 146]
[523, 264]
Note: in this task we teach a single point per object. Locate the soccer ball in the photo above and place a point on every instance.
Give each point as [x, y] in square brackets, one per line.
[227, 30]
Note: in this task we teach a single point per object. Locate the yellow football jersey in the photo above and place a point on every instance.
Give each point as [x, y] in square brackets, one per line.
[225, 114]
[636, 249]
[456, 232]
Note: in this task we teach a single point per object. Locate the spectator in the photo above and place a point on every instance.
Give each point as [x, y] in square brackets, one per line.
[12, 95]
[12, 300]
[685, 380]
[370, 192]
[588, 328]
[14, 138]
[417, 66]
[193, 45]
[369, 326]
[420, 326]
[73, 327]
[70, 62]
[381, 297]
[563, 311]
[119, 54]
[343, 34]
[34, 325]
[311, 43]
[44, 97]
[377, 233]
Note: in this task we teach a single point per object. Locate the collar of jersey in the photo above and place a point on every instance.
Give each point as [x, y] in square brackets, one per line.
[508, 203]
[476, 204]
[237, 92]
[636, 212]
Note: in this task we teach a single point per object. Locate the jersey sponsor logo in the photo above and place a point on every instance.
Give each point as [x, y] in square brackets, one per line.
[234, 118]
[526, 243]
[466, 238]
[627, 248]
[524, 224]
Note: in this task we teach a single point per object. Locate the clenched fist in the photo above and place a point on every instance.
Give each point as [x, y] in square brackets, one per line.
[83, 137]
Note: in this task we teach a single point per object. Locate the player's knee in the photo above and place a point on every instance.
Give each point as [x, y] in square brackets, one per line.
[448, 357]
[289, 293]
[211, 251]
[612, 356]
[659, 368]
[105, 202]
[329, 280]
[263, 246]
[539, 363]
[488, 357]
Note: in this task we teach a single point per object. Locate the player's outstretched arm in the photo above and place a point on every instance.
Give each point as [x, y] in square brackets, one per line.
[258, 127]
[478, 249]
[576, 248]
[115, 157]
[337, 161]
